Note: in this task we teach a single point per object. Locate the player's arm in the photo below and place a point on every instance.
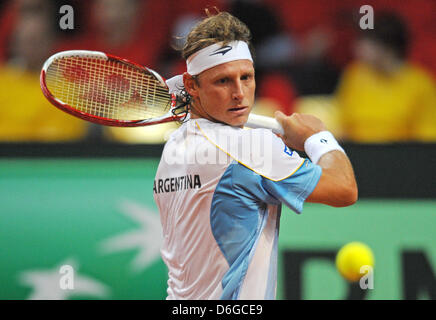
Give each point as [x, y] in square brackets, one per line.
[337, 186]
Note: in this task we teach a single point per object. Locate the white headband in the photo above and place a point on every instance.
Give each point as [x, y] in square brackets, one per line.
[217, 54]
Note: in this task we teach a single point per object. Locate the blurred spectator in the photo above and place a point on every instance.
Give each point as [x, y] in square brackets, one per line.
[7, 19]
[25, 114]
[310, 26]
[137, 30]
[274, 49]
[382, 97]
[184, 15]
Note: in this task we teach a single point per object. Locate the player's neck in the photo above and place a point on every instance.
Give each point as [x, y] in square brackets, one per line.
[198, 112]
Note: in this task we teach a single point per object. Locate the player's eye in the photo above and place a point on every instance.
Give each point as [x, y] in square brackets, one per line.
[222, 80]
[247, 76]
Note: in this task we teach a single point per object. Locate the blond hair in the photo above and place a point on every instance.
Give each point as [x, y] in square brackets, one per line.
[220, 27]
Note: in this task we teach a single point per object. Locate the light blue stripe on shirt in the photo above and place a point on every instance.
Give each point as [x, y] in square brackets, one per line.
[239, 212]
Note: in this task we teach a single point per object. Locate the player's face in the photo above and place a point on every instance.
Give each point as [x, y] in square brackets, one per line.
[225, 93]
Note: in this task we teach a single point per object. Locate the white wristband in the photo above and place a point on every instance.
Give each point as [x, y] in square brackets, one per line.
[319, 144]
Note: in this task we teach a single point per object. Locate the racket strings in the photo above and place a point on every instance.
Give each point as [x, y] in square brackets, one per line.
[107, 88]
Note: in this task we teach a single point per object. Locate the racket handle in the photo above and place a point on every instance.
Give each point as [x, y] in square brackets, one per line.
[256, 121]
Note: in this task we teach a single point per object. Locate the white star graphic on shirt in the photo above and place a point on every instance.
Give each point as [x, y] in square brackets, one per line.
[147, 239]
[46, 284]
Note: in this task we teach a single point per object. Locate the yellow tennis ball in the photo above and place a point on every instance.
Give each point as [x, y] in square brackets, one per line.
[350, 259]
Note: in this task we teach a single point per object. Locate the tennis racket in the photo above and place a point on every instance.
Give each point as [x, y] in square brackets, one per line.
[109, 90]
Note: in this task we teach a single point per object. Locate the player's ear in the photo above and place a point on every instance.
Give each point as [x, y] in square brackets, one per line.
[191, 85]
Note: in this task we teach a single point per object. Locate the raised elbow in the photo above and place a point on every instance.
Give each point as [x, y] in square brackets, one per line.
[347, 196]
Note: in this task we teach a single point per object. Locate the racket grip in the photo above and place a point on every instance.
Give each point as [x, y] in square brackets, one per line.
[256, 121]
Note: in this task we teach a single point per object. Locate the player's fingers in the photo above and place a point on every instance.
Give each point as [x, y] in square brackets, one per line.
[285, 122]
[280, 116]
[282, 119]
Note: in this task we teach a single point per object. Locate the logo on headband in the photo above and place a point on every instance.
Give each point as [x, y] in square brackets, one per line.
[222, 50]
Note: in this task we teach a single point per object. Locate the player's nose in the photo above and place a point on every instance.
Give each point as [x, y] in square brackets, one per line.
[238, 92]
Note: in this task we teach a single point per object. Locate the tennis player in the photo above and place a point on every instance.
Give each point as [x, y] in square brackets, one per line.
[219, 187]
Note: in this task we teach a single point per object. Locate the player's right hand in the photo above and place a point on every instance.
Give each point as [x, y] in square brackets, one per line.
[297, 128]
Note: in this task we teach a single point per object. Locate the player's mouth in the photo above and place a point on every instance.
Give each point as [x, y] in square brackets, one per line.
[238, 110]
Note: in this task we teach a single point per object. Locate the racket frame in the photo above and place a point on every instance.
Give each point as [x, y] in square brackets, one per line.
[168, 117]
